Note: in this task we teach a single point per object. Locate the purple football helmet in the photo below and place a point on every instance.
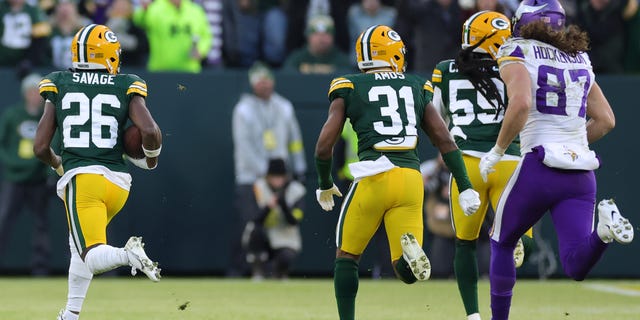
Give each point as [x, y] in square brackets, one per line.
[549, 11]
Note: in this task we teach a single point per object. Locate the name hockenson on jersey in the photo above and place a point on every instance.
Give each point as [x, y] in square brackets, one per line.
[471, 118]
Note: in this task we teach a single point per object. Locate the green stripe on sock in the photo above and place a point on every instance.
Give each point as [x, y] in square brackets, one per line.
[465, 265]
[345, 283]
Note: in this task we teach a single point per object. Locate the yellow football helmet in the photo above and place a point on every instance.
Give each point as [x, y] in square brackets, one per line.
[488, 27]
[96, 47]
[378, 47]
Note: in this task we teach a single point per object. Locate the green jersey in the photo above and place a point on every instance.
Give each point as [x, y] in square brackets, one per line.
[384, 109]
[92, 109]
[472, 119]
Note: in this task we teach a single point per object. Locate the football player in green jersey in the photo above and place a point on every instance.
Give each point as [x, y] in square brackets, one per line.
[385, 107]
[471, 97]
[90, 105]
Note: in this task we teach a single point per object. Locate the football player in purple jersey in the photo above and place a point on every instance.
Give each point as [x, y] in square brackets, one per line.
[552, 91]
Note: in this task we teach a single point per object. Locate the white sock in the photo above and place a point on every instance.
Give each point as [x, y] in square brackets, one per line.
[79, 280]
[104, 257]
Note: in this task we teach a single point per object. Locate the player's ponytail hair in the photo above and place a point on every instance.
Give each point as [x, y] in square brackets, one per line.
[481, 69]
[571, 40]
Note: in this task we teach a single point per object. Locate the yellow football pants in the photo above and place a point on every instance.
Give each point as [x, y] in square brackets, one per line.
[91, 201]
[468, 227]
[394, 196]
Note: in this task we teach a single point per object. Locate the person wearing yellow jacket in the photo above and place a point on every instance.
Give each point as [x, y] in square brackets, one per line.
[178, 32]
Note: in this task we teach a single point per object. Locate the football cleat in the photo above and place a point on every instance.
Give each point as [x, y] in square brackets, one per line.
[60, 315]
[612, 225]
[416, 258]
[518, 253]
[474, 316]
[138, 259]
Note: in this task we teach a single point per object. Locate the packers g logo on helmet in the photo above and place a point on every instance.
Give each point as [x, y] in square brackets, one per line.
[379, 47]
[487, 30]
[96, 47]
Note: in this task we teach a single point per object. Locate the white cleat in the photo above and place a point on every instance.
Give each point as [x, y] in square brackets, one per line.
[475, 316]
[414, 255]
[612, 225]
[138, 259]
[60, 315]
[518, 254]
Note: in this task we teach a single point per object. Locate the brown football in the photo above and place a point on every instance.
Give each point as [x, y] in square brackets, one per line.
[133, 142]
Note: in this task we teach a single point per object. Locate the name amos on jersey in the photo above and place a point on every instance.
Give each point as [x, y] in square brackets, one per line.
[388, 75]
[93, 78]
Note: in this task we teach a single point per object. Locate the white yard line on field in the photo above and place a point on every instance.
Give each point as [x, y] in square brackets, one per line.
[613, 289]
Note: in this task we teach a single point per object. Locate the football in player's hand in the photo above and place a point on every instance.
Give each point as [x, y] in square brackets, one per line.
[133, 142]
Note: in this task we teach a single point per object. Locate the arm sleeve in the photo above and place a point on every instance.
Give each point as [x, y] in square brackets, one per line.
[454, 162]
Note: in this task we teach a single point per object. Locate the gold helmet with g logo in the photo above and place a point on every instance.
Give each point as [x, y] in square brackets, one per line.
[96, 47]
[378, 47]
[487, 30]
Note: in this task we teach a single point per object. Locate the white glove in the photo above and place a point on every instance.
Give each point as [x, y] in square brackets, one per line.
[59, 169]
[325, 197]
[489, 160]
[140, 163]
[469, 201]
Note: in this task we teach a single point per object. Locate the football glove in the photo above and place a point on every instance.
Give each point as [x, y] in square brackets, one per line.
[59, 169]
[469, 201]
[489, 160]
[325, 197]
[140, 163]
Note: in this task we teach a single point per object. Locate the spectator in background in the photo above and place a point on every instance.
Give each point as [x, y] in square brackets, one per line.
[300, 12]
[435, 28]
[25, 179]
[24, 29]
[178, 32]
[66, 22]
[436, 177]
[365, 14]
[319, 56]
[214, 11]
[133, 39]
[604, 22]
[470, 7]
[95, 10]
[273, 237]
[264, 126]
[259, 29]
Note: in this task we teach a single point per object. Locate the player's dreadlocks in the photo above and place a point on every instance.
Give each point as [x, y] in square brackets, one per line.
[480, 68]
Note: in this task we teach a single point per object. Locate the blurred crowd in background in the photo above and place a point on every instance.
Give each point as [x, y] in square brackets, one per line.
[310, 36]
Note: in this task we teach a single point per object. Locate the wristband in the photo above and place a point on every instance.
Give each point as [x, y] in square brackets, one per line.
[323, 167]
[499, 150]
[151, 153]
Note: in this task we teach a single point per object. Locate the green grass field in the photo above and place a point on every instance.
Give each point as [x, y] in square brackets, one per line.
[211, 298]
